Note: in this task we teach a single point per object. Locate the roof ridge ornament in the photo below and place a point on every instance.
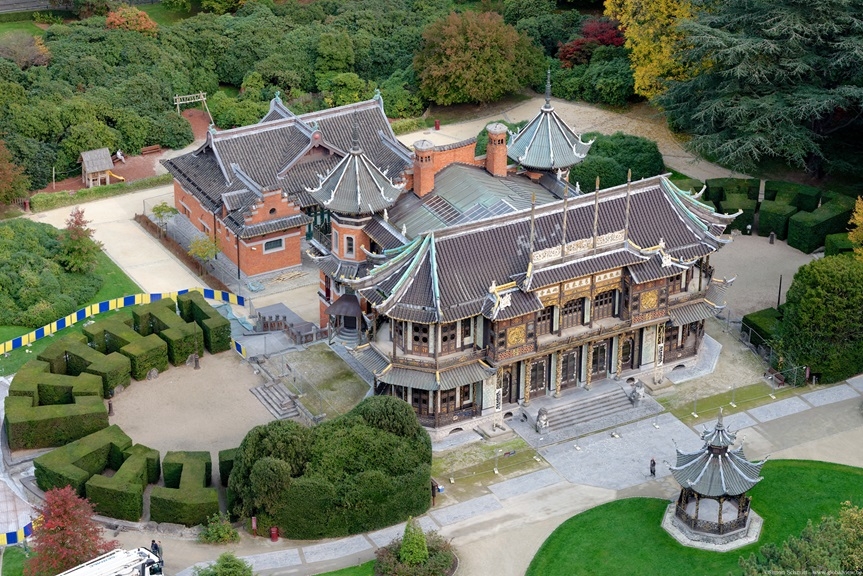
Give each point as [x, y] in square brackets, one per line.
[355, 139]
[548, 89]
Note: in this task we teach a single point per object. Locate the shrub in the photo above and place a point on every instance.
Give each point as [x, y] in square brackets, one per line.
[441, 559]
[808, 230]
[29, 426]
[763, 325]
[414, 549]
[610, 158]
[218, 530]
[773, 217]
[835, 244]
[185, 498]
[800, 195]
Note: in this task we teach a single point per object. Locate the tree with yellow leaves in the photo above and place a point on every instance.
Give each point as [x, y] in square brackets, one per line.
[652, 37]
[856, 232]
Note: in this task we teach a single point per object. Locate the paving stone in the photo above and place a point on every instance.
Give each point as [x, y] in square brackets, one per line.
[336, 549]
[733, 422]
[525, 484]
[383, 537]
[831, 395]
[778, 409]
[856, 382]
[465, 510]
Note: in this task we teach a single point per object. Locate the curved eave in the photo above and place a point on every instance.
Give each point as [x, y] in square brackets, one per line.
[547, 143]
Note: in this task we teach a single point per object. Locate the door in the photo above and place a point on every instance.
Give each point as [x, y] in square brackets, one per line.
[570, 363]
[627, 354]
[509, 387]
[538, 376]
[599, 365]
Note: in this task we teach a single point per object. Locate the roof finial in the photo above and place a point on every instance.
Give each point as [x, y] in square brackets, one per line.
[355, 139]
[278, 97]
[548, 88]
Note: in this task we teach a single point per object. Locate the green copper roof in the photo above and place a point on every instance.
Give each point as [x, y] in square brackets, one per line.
[547, 143]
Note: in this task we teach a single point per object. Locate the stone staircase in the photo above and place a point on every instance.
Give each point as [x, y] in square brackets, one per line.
[587, 408]
[276, 398]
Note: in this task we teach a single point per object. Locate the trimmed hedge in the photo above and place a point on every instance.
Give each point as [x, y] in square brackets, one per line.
[808, 230]
[800, 195]
[47, 200]
[35, 381]
[773, 217]
[834, 244]
[182, 338]
[360, 472]
[29, 426]
[122, 495]
[719, 188]
[70, 355]
[74, 464]
[737, 202]
[763, 324]
[185, 498]
[215, 327]
[144, 352]
[226, 464]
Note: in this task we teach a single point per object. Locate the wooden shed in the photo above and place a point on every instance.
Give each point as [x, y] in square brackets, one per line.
[96, 167]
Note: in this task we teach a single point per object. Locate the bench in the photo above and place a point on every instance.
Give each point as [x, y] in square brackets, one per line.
[775, 376]
[154, 149]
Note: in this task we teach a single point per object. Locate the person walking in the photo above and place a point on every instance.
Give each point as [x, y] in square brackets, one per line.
[156, 549]
[653, 468]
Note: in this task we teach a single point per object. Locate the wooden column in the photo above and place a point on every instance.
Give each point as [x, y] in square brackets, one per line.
[559, 372]
[589, 365]
[619, 356]
[527, 366]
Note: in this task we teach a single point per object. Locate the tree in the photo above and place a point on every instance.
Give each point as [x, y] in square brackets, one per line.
[515, 10]
[204, 248]
[66, 535]
[856, 232]
[162, 212]
[226, 565]
[653, 39]
[821, 325]
[474, 57]
[833, 546]
[13, 182]
[770, 91]
[78, 250]
[24, 49]
[414, 549]
[130, 18]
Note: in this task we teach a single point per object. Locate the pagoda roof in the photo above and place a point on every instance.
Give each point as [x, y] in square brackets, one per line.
[356, 186]
[445, 275]
[717, 470]
[285, 152]
[546, 142]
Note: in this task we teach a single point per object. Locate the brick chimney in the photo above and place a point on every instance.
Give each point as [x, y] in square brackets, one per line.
[423, 167]
[495, 156]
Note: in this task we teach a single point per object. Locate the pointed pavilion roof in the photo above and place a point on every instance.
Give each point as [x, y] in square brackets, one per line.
[547, 143]
[717, 470]
[356, 187]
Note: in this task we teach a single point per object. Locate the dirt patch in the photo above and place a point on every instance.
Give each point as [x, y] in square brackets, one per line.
[186, 409]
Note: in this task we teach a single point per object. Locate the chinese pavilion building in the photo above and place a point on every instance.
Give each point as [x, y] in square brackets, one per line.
[466, 284]
[713, 507]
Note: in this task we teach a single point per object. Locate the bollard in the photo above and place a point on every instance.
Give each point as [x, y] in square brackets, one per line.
[437, 124]
[274, 533]
[110, 408]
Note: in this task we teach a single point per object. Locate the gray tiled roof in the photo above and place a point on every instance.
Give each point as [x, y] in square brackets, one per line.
[452, 281]
[547, 143]
[442, 380]
[355, 187]
[717, 470]
[370, 358]
[692, 312]
[653, 269]
[384, 234]
[96, 160]
[285, 151]
[521, 303]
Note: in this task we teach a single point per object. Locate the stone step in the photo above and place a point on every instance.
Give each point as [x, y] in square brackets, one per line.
[276, 399]
[588, 409]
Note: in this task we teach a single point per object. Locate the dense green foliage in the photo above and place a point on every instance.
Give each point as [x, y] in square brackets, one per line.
[122, 495]
[821, 324]
[215, 328]
[611, 157]
[762, 325]
[185, 498]
[226, 565]
[836, 244]
[773, 218]
[808, 230]
[414, 549]
[594, 537]
[363, 471]
[218, 530]
[790, 90]
[35, 289]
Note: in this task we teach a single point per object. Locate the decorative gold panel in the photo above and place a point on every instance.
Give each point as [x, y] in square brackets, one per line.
[649, 300]
[515, 336]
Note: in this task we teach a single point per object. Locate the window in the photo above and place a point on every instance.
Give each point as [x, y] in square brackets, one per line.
[272, 211]
[543, 320]
[603, 305]
[467, 331]
[447, 337]
[466, 395]
[573, 313]
[335, 240]
[349, 245]
[420, 333]
[447, 401]
[420, 401]
[273, 245]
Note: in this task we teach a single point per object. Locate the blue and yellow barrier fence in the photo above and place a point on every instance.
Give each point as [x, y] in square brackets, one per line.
[16, 537]
[115, 304]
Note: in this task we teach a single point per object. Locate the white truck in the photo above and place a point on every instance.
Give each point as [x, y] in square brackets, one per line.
[119, 562]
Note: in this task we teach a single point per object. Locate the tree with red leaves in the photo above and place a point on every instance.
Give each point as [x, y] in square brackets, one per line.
[78, 250]
[66, 535]
[594, 32]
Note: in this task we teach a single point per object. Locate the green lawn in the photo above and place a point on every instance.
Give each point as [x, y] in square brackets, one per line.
[164, 17]
[366, 569]
[625, 536]
[13, 561]
[116, 284]
[25, 25]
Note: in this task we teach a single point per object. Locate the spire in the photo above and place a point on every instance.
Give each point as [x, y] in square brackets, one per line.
[355, 139]
[548, 88]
